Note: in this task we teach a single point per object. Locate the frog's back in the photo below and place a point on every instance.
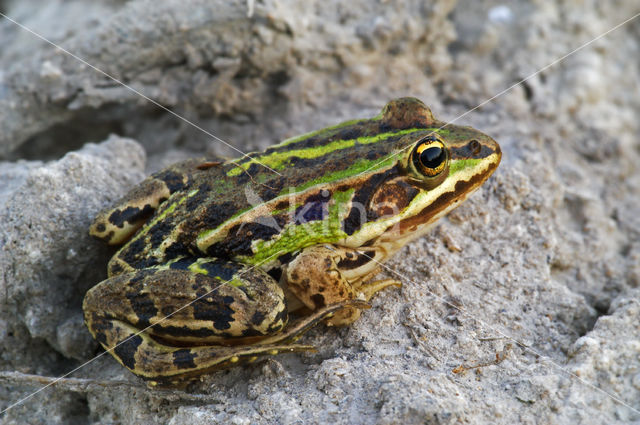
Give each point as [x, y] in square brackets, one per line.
[308, 179]
[222, 213]
[230, 209]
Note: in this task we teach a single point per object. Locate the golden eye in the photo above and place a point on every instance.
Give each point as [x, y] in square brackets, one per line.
[430, 157]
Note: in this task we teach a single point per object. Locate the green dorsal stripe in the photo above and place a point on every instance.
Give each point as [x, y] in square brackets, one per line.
[358, 167]
[280, 160]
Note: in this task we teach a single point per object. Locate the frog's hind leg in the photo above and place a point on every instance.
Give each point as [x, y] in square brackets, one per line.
[169, 365]
[192, 316]
[175, 366]
[117, 224]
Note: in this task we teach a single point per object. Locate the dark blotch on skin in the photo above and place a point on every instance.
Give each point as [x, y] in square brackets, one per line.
[223, 269]
[238, 242]
[254, 169]
[361, 197]
[115, 269]
[313, 211]
[143, 306]
[131, 215]
[182, 331]
[304, 284]
[132, 255]
[204, 192]
[109, 236]
[303, 144]
[359, 260]
[184, 359]
[126, 351]
[251, 332]
[314, 208]
[282, 205]
[175, 250]
[278, 322]
[213, 214]
[159, 231]
[276, 273]
[391, 198]
[349, 133]
[318, 300]
[167, 310]
[101, 338]
[100, 327]
[371, 155]
[173, 180]
[257, 318]
[285, 259]
[182, 264]
[218, 311]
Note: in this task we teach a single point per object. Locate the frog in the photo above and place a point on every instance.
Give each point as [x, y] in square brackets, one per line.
[223, 262]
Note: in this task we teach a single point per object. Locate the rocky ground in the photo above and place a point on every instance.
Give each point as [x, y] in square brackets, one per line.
[521, 306]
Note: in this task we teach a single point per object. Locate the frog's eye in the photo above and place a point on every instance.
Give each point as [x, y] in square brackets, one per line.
[430, 157]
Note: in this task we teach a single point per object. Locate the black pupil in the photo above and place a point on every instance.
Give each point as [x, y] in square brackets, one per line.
[432, 157]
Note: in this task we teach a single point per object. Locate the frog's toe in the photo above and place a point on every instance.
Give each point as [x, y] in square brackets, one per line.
[368, 290]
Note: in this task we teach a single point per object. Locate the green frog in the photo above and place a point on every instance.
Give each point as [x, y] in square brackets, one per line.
[216, 255]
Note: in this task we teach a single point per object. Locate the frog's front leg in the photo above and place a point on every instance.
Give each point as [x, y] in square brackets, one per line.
[326, 274]
[192, 316]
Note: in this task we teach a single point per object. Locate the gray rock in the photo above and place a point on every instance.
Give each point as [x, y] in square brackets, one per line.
[522, 306]
[44, 243]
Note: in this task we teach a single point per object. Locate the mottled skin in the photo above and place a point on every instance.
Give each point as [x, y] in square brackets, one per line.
[256, 245]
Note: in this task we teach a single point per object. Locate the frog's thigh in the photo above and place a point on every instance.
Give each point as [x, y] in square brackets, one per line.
[324, 275]
[201, 301]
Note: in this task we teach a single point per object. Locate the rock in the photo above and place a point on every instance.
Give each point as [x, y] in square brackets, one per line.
[521, 306]
[45, 243]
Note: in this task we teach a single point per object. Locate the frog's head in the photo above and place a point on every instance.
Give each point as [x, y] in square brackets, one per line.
[437, 166]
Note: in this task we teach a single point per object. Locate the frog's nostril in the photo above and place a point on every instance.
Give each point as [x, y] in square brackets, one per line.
[474, 147]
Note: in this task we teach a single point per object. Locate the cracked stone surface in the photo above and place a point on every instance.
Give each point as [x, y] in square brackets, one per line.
[522, 306]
